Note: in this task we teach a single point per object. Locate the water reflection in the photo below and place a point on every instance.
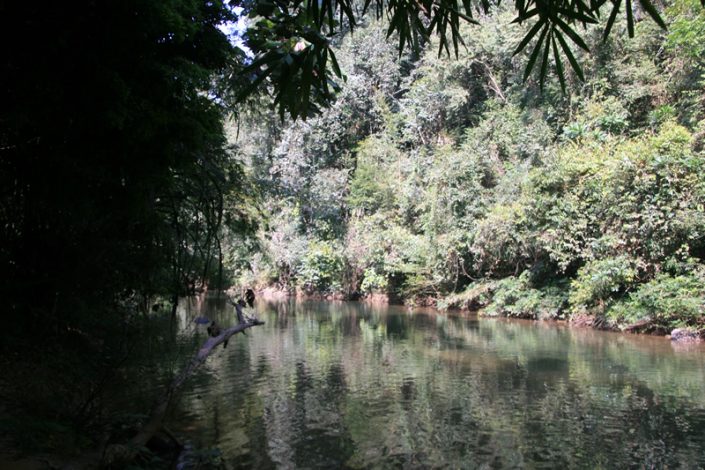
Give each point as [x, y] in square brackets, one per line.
[354, 385]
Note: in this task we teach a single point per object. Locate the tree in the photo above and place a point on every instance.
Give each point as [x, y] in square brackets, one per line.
[292, 39]
[113, 154]
[116, 183]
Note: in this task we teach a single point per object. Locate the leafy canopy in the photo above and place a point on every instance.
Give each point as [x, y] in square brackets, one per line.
[292, 39]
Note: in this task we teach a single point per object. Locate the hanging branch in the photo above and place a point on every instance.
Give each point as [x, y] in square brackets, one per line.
[121, 454]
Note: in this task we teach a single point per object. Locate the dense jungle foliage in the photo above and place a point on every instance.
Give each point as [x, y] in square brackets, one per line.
[432, 179]
[117, 188]
[123, 186]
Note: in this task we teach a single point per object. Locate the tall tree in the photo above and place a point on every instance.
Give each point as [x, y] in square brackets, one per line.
[113, 156]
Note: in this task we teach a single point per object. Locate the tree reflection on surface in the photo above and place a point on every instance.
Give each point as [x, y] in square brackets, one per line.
[355, 385]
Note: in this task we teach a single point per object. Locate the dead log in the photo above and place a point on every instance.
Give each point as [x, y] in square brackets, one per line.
[119, 454]
[640, 325]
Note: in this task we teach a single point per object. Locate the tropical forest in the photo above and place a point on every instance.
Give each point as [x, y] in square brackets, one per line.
[352, 234]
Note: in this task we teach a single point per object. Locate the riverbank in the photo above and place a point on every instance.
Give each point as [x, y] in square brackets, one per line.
[271, 293]
[659, 307]
[509, 298]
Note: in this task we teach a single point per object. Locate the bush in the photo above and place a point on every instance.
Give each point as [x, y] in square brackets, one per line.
[373, 282]
[501, 245]
[661, 115]
[666, 302]
[600, 281]
[515, 297]
[599, 118]
[321, 268]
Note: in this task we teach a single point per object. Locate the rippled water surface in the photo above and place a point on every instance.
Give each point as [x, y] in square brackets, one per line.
[353, 385]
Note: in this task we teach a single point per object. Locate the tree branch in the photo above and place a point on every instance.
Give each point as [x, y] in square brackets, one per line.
[124, 453]
[493, 85]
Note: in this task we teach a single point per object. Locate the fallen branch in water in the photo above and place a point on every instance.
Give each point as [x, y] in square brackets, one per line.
[119, 454]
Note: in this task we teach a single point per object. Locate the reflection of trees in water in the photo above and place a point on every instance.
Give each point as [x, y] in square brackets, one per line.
[592, 390]
[343, 384]
[595, 358]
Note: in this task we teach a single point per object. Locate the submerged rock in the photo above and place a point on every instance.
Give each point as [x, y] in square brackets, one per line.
[685, 335]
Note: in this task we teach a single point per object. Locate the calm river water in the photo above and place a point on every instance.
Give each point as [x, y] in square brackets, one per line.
[329, 385]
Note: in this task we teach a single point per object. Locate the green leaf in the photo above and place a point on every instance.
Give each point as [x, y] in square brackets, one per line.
[610, 20]
[433, 23]
[334, 61]
[306, 79]
[569, 54]
[582, 7]
[402, 39]
[559, 64]
[312, 8]
[595, 6]
[544, 65]
[467, 4]
[249, 89]
[535, 53]
[576, 15]
[455, 32]
[330, 13]
[467, 18]
[571, 34]
[454, 36]
[322, 69]
[525, 16]
[266, 59]
[347, 12]
[532, 32]
[654, 14]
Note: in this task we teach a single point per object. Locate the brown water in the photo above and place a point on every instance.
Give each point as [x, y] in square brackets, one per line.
[325, 385]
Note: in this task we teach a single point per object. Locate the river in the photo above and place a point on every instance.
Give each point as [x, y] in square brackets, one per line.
[330, 385]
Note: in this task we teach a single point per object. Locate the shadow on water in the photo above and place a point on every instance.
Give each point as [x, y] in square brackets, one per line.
[356, 385]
